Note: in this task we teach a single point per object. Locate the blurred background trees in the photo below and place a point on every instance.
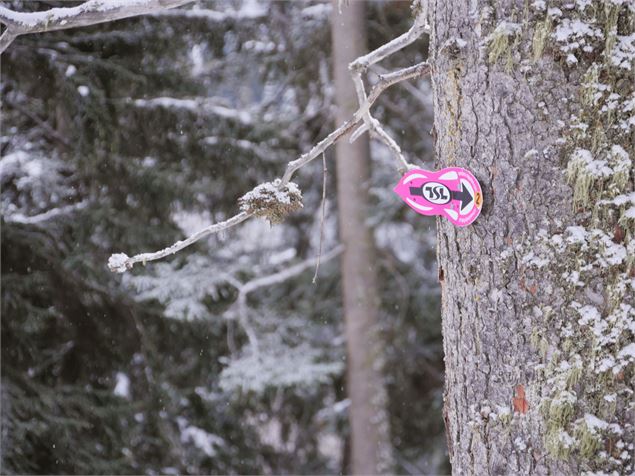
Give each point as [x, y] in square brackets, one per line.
[371, 450]
[127, 136]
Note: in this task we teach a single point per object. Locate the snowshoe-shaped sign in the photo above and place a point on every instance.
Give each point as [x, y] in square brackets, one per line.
[453, 193]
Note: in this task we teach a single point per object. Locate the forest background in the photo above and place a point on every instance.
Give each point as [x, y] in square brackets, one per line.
[128, 136]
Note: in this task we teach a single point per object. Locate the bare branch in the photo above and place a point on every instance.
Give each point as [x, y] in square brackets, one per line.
[372, 125]
[91, 12]
[361, 65]
[287, 273]
[45, 216]
[416, 31]
[6, 39]
[121, 262]
[385, 81]
[418, 94]
[320, 147]
[214, 15]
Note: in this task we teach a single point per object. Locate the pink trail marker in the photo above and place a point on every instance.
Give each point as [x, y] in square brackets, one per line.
[453, 193]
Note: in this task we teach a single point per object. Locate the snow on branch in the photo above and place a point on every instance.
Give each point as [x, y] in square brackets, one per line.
[197, 105]
[120, 262]
[274, 200]
[247, 11]
[45, 216]
[91, 12]
[240, 306]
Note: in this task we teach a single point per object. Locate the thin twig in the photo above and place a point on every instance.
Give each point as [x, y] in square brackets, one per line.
[45, 216]
[43, 124]
[415, 92]
[374, 127]
[420, 69]
[418, 28]
[320, 147]
[287, 273]
[323, 209]
[121, 262]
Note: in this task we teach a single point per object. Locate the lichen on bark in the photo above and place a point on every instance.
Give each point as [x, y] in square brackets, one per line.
[597, 319]
[539, 291]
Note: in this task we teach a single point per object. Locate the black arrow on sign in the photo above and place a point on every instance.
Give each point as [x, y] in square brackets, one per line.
[464, 195]
[416, 191]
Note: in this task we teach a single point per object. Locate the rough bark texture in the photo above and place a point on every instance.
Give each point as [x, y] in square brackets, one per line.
[538, 293]
[370, 445]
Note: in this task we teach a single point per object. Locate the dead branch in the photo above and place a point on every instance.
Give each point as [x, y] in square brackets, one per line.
[121, 262]
[91, 12]
[361, 65]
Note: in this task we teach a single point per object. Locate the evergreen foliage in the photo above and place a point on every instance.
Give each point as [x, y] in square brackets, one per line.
[127, 136]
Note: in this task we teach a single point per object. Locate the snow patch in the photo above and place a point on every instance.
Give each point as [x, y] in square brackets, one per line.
[321, 11]
[623, 53]
[594, 424]
[628, 352]
[118, 263]
[596, 168]
[198, 105]
[575, 34]
[566, 439]
[201, 439]
[122, 385]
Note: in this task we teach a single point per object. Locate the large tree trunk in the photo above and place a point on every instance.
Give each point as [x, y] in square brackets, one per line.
[370, 444]
[538, 293]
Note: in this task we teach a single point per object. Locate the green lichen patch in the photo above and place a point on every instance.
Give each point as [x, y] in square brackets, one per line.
[540, 39]
[589, 435]
[587, 351]
[559, 443]
[504, 39]
[561, 409]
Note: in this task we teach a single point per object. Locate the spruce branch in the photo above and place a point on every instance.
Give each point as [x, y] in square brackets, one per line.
[240, 306]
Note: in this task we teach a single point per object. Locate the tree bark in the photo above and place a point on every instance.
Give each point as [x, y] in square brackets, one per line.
[370, 443]
[537, 295]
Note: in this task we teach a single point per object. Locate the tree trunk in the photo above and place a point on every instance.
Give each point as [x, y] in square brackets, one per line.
[370, 444]
[538, 293]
